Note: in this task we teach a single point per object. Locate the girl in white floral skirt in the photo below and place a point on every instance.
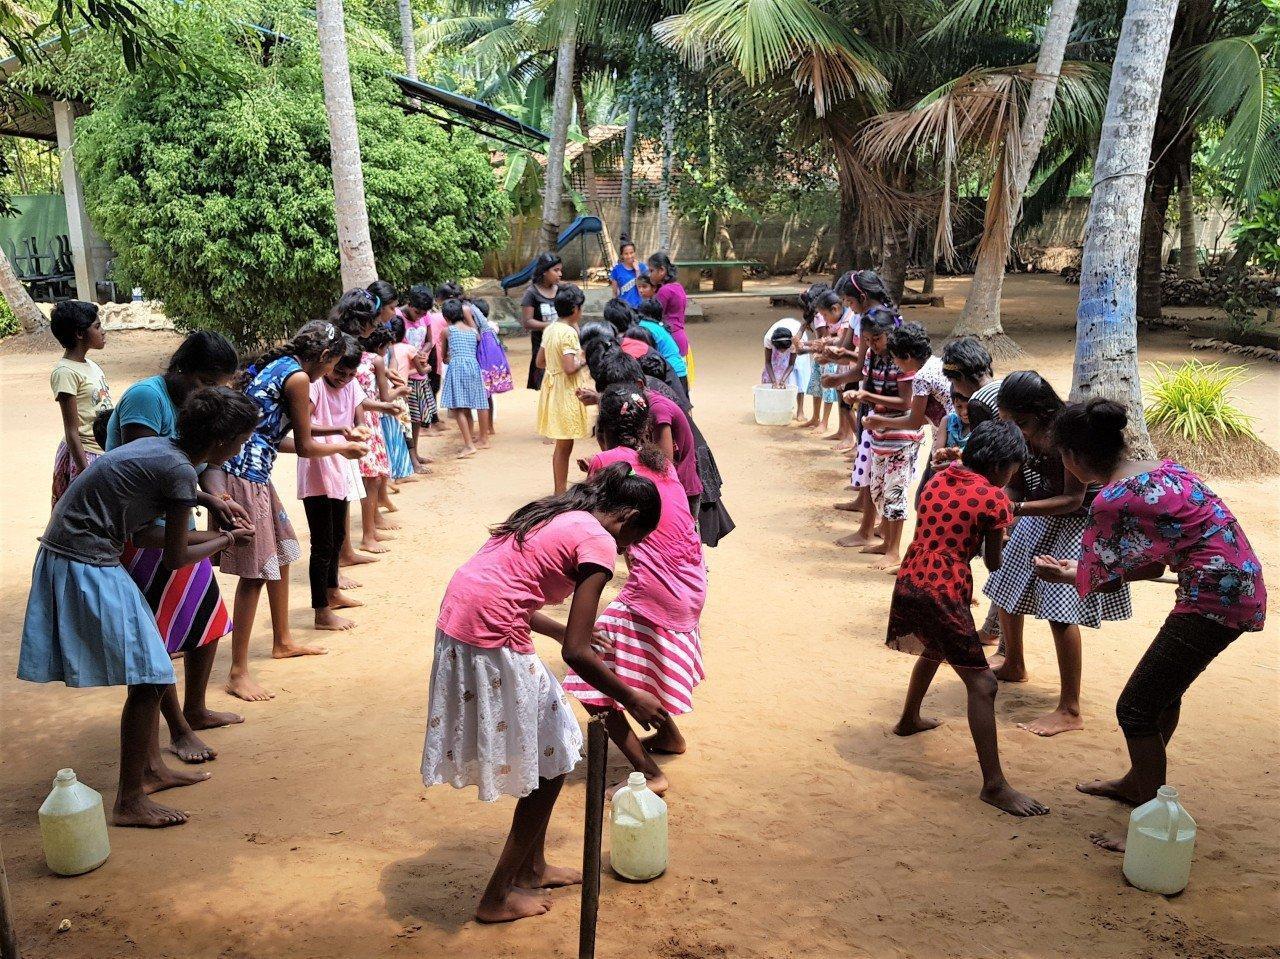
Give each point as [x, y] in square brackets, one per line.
[497, 718]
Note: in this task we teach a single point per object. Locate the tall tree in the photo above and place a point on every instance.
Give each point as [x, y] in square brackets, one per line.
[407, 44]
[1188, 267]
[981, 314]
[15, 294]
[561, 112]
[668, 156]
[1106, 360]
[628, 164]
[355, 248]
[589, 168]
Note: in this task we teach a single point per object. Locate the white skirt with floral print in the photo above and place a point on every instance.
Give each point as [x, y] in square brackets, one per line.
[497, 720]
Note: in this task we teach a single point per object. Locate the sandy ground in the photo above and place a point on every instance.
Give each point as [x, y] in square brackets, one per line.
[799, 825]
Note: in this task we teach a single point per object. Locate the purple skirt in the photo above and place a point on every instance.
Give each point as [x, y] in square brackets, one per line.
[494, 368]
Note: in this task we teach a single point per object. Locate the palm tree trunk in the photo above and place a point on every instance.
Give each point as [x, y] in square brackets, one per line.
[668, 151]
[893, 259]
[981, 314]
[628, 165]
[1188, 266]
[561, 111]
[24, 308]
[589, 173]
[406, 40]
[1106, 360]
[1155, 213]
[846, 248]
[355, 248]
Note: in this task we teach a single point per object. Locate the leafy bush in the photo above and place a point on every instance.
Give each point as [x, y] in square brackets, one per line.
[9, 324]
[1193, 401]
[214, 187]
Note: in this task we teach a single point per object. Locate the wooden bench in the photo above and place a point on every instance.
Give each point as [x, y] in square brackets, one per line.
[726, 275]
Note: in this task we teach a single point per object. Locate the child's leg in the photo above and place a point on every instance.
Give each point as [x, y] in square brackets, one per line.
[911, 721]
[198, 665]
[282, 644]
[239, 683]
[624, 737]
[335, 522]
[380, 521]
[139, 728]
[560, 458]
[1014, 668]
[826, 415]
[502, 901]
[1066, 717]
[369, 541]
[183, 742]
[892, 546]
[981, 686]
[463, 419]
[317, 510]
[486, 427]
[668, 740]
[867, 527]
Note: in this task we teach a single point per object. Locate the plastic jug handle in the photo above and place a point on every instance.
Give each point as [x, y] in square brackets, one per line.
[1174, 819]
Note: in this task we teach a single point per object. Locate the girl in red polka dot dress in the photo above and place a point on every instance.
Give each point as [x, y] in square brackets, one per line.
[963, 510]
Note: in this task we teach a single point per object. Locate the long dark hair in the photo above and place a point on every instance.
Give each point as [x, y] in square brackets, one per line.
[1093, 432]
[865, 284]
[214, 415]
[544, 262]
[204, 352]
[1027, 393]
[663, 262]
[308, 345]
[625, 420]
[355, 310]
[809, 300]
[611, 490]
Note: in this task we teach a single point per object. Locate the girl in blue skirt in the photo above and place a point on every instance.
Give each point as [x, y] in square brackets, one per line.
[88, 624]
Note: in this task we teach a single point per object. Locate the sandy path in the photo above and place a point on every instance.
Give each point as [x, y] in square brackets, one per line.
[800, 827]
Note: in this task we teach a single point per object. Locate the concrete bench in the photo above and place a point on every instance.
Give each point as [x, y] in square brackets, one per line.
[726, 275]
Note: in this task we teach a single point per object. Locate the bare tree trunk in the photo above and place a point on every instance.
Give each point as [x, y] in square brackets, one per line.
[30, 317]
[1188, 265]
[668, 151]
[406, 40]
[1155, 213]
[589, 173]
[846, 248]
[930, 274]
[628, 165]
[812, 259]
[981, 314]
[562, 107]
[893, 261]
[1106, 361]
[355, 248]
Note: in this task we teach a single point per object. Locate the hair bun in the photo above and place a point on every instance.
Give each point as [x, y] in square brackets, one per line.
[1105, 414]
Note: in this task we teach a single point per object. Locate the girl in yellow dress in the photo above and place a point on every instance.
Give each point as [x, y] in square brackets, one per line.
[561, 416]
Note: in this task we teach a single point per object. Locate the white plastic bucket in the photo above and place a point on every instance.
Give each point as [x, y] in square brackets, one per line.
[774, 407]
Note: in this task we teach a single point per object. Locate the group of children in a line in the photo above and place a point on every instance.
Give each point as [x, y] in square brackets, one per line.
[1045, 493]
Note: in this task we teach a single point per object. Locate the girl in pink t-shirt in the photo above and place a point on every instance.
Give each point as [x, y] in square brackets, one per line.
[652, 626]
[497, 719]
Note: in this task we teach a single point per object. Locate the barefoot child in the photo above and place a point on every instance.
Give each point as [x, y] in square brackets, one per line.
[1150, 515]
[186, 602]
[410, 363]
[280, 384]
[930, 615]
[422, 402]
[87, 624]
[561, 415]
[652, 625]
[463, 392]
[79, 388]
[497, 719]
[324, 483]
[396, 370]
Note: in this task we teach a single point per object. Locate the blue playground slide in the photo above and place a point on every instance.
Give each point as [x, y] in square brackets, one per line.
[582, 226]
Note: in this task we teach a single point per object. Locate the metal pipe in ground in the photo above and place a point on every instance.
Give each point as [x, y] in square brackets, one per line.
[597, 758]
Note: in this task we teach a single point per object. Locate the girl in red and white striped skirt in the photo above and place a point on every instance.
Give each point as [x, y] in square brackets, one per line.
[651, 628]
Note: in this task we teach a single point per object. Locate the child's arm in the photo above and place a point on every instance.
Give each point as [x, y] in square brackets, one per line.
[385, 390]
[571, 362]
[993, 549]
[914, 419]
[297, 394]
[541, 361]
[71, 430]
[768, 366]
[583, 659]
[421, 362]
[184, 547]
[665, 440]
[370, 405]
[1070, 500]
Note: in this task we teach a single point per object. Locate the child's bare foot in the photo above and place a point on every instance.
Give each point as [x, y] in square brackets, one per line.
[874, 549]
[1116, 789]
[1008, 672]
[290, 650]
[242, 687]
[190, 748]
[210, 719]
[889, 564]
[468, 451]
[382, 536]
[657, 784]
[160, 778]
[986, 639]
[482, 444]
[382, 523]
[1108, 841]
[145, 814]
[853, 506]
[516, 905]
[1004, 797]
[372, 545]
[833, 437]
[1050, 724]
[910, 727]
[665, 744]
[338, 601]
[328, 619]
[855, 539]
[355, 559]
[346, 582]
[550, 877]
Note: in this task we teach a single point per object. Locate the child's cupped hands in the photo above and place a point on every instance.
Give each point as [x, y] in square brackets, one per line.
[1055, 570]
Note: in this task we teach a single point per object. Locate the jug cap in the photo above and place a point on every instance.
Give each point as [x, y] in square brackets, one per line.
[65, 777]
[1167, 792]
[636, 780]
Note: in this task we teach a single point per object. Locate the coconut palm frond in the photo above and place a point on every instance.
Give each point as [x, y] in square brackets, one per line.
[1055, 187]
[454, 31]
[1230, 80]
[969, 17]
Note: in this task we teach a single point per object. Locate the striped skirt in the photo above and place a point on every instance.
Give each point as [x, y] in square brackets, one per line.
[664, 663]
[64, 469]
[397, 448]
[187, 602]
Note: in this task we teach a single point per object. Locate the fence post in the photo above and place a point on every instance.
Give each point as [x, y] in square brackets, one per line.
[597, 759]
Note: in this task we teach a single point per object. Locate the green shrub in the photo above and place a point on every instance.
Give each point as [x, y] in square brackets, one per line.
[214, 188]
[1193, 401]
[9, 324]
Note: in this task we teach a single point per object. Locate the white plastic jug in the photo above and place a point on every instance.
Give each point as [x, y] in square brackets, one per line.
[73, 827]
[774, 407]
[638, 834]
[1161, 842]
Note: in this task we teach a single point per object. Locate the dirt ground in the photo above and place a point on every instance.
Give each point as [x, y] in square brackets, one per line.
[800, 827]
